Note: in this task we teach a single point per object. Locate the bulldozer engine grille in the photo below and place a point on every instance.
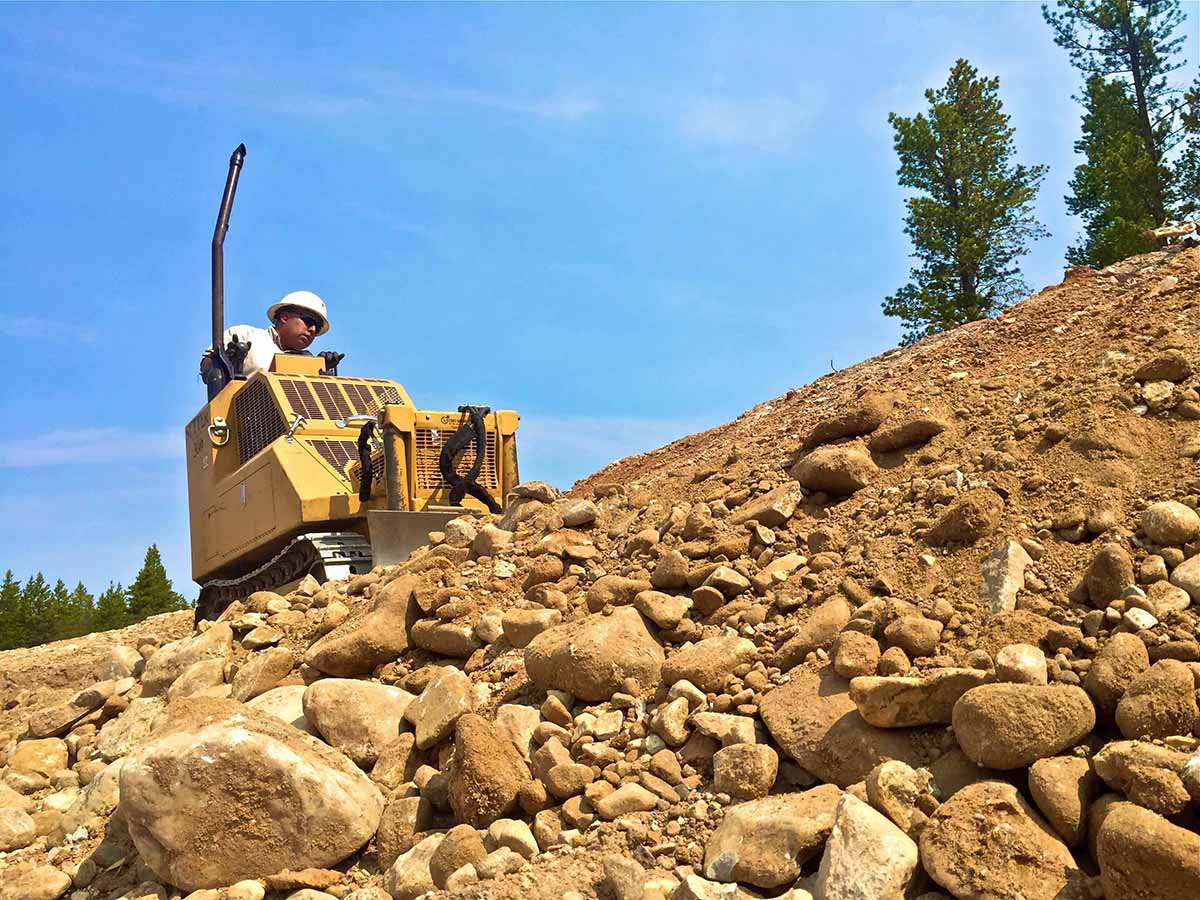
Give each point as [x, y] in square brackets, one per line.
[337, 453]
[300, 397]
[256, 418]
[332, 399]
[362, 401]
[320, 398]
[429, 447]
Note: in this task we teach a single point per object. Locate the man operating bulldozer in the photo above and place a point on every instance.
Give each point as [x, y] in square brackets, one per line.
[297, 320]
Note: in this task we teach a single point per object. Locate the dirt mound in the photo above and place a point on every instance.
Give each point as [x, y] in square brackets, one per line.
[958, 581]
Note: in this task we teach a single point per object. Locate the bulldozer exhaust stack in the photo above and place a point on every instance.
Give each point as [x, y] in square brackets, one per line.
[221, 373]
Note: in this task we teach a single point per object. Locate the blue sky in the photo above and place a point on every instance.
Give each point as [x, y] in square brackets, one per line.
[628, 222]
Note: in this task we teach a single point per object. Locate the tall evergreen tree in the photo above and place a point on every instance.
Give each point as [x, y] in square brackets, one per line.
[57, 611]
[76, 618]
[1117, 189]
[972, 217]
[151, 592]
[1129, 181]
[34, 607]
[1187, 184]
[110, 612]
[10, 597]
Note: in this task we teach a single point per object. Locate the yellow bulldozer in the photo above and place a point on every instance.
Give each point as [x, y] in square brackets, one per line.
[298, 470]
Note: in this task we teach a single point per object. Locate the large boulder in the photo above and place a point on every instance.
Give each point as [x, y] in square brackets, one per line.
[433, 714]
[224, 793]
[814, 721]
[866, 856]
[285, 703]
[766, 842]
[1108, 575]
[1170, 523]
[1159, 702]
[486, 773]
[357, 717]
[591, 658]
[839, 470]
[1063, 788]
[1142, 856]
[173, 659]
[867, 414]
[363, 642]
[261, 672]
[915, 430]
[987, 843]
[772, 509]
[818, 632]
[130, 728]
[969, 517]
[903, 701]
[1011, 726]
[1119, 661]
[709, 663]
[1187, 576]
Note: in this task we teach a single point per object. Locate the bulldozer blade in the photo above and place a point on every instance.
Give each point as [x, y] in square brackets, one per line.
[395, 534]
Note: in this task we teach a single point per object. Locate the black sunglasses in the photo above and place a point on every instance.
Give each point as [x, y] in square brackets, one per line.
[311, 320]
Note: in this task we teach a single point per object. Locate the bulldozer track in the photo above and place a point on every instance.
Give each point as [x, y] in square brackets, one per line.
[325, 556]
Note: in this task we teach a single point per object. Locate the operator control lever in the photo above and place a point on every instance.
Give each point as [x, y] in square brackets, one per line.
[235, 353]
[332, 358]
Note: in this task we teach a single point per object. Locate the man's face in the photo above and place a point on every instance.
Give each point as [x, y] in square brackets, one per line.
[293, 331]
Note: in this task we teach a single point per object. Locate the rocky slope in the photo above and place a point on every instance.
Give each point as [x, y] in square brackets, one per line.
[926, 627]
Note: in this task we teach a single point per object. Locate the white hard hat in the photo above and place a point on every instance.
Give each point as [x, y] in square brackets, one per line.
[303, 300]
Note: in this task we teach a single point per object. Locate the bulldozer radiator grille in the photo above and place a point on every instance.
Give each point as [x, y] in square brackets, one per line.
[362, 401]
[256, 418]
[333, 399]
[300, 397]
[429, 443]
[337, 453]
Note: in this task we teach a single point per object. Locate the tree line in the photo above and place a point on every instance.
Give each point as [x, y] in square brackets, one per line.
[37, 612]
[970, 217]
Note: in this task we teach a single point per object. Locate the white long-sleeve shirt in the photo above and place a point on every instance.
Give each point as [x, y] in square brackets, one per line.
[264, 344]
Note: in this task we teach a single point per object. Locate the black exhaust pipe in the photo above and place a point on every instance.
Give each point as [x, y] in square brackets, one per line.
[221, 372]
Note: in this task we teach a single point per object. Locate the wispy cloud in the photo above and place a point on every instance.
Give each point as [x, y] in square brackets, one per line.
[771, 123]
[565, 107]
[347, 91]
[89, 445]
[36, 328]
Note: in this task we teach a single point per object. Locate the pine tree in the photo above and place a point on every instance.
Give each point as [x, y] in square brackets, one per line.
[1116, 189]
[33, 608]
[151, 592]
[1187, 171]
[110, 612]
[10, 596]
[1131, 124]
[76, 619]
[972, 217]
[57, 611]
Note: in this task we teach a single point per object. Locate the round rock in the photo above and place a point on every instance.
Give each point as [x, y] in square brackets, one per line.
[1144, 857]
[961, 850]
[1159, 702]
[1010, 726]
[214, 765]
[1170, 523]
